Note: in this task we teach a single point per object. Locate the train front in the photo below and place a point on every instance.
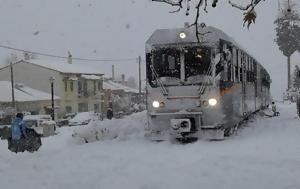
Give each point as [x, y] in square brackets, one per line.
[183, 99]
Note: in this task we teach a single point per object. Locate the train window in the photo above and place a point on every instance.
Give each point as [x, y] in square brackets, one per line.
[237, 73]
[166, 63]
[241, 74]
[197, 61]
[238, 58]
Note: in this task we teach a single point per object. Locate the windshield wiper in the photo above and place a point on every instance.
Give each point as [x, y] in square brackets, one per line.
[161, 86]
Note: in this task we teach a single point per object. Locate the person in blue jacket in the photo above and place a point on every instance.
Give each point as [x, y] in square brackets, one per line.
[18, 127]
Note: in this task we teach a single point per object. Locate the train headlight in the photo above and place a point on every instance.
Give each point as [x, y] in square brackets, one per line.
[182, 35]
[155, 104]
[212, 102]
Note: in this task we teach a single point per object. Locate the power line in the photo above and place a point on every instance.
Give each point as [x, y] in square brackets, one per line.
[65, 57]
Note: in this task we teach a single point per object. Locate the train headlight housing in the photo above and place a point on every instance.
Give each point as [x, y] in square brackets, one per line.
[182, 35]
[212, 102]
[155, 104]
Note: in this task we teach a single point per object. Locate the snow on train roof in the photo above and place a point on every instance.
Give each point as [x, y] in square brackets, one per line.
[209, 36]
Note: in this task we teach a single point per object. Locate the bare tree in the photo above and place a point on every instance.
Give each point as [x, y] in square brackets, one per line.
[248, 9]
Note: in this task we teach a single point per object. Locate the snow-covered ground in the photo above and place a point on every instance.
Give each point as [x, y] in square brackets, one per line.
[264, 154]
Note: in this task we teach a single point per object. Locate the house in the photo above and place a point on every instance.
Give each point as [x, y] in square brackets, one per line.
[119, 97]
[27, 99]
[79, 86]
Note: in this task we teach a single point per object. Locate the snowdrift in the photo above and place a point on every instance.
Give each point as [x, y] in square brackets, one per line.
[128, 127]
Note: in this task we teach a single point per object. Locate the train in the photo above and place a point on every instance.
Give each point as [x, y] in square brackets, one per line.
[200, 87]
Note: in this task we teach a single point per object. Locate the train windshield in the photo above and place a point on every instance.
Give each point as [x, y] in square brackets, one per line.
[167, 65]
[197, 61]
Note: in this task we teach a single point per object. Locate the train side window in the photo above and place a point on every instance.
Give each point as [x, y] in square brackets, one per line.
[241, 74]
[238, 57]
[242, 67]
[236, 74]
[252, 70]
[234, 63]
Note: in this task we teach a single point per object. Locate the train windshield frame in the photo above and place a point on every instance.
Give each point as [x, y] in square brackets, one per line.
[167, 65]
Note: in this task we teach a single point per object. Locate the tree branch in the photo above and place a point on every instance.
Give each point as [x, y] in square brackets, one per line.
[249, 14]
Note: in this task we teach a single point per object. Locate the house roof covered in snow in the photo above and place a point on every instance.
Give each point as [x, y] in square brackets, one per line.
[63, 66]
[22, 93]
[109, 84]
[91, 77]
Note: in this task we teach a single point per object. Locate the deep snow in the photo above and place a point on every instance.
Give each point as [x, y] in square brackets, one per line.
[264, 154]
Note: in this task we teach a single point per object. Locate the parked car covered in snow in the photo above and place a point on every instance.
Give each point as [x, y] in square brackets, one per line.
[42, 124]
[82, 118]
[65, 120]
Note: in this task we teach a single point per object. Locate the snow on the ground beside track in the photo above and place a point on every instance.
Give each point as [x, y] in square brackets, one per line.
[264, 154]
[131, 126]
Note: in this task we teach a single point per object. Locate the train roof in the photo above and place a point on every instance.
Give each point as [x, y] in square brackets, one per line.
[209, 36]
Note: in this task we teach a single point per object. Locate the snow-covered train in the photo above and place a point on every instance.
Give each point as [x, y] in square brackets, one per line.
[201, 89]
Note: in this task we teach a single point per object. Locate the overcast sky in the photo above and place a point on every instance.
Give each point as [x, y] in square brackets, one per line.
[119, 29]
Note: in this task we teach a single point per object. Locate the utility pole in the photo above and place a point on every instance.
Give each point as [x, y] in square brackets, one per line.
[140, 79]
[52, 97]
[12, 85]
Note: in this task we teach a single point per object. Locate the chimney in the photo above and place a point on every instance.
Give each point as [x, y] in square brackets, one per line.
[69, 57]
[113, 72]
[26, 56]
[123, 78]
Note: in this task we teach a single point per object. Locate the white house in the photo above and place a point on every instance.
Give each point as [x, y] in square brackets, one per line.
[79, 86]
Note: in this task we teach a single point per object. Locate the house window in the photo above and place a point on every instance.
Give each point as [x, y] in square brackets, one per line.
[95, 86]
[66, 86]
[85, 85]
[96, 108]
[68, 109]
[71, 86]
[83, 107]
[99, 85]
[79, 87]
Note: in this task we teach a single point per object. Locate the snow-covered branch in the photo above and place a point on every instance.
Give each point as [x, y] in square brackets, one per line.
[249, 14]
[250, 5]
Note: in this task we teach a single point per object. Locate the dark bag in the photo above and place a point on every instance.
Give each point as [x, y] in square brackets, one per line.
[31, 143]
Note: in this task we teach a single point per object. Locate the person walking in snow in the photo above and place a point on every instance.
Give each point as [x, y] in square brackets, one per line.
[109, 113]
[18, 127]
[274, 109]
[22, 138]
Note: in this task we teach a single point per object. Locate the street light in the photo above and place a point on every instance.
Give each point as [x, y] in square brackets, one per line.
[51, 80]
